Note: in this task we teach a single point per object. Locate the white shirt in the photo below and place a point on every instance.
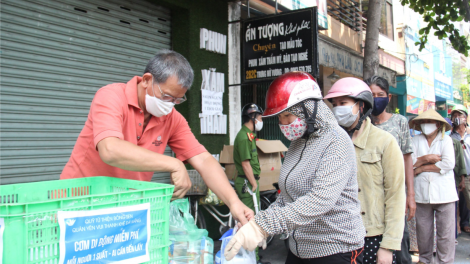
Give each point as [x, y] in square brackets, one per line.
[435, 187]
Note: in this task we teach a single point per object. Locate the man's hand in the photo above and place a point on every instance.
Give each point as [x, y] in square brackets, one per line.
[180, 178]
[254, 186]
[433, 158]
[384, 256]
[241, 212]
[461, 186]
[410, 206]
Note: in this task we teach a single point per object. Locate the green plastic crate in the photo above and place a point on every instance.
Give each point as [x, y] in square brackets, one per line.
[30, 211]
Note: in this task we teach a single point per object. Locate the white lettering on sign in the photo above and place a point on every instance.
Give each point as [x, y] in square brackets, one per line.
[266, 31]
[212, 41]
[213, 81]
[213, 124]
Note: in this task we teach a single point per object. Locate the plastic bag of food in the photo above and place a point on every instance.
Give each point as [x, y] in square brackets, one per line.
[243, 256]
[189, 245]
[194, 252]
[182, 226]
[211, 198]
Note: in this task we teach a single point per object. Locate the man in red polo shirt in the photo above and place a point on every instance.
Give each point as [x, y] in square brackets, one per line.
[129, 126]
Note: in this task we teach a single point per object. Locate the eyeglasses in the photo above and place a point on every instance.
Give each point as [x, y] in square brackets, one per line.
[169, 98]
[463, 144]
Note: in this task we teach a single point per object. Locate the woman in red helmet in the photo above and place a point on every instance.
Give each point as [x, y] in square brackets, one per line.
[380, 170]
[318, 207]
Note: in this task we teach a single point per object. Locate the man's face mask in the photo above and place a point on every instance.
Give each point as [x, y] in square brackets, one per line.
[457, 121]
[380, 103]
[258, 125]
[156, 106]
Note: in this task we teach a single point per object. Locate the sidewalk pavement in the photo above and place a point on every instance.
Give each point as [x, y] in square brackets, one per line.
[276, 252]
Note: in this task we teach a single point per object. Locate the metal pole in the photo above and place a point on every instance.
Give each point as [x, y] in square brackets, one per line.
[276, 7]
[248, 8]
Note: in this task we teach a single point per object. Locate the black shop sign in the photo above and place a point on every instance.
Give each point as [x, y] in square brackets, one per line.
[276, 44]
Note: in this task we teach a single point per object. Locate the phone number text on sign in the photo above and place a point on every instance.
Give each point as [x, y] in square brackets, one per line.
[114, 235]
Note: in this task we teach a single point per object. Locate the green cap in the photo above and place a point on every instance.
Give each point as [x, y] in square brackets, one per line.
[462, 109]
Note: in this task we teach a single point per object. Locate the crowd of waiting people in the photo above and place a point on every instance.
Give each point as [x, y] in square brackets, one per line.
[359, 184]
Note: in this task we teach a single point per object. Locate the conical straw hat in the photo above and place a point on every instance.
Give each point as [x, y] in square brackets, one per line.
[430, 114]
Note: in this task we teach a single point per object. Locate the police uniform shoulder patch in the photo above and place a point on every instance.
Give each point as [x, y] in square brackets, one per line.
[250, 136]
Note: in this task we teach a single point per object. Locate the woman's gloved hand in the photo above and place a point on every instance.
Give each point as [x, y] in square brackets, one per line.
[249, 236]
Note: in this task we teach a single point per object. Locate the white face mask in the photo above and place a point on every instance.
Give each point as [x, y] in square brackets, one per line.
[344, 115]
[258, 125]
[428, 129]
[157, 107]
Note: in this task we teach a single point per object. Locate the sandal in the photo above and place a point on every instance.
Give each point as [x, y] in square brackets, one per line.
[466, 229]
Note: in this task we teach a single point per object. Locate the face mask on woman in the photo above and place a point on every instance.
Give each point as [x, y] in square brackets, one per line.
[344, 115]
[428, 128]
[294, 130]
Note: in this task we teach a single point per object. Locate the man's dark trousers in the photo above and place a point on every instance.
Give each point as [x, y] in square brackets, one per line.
[403, 256]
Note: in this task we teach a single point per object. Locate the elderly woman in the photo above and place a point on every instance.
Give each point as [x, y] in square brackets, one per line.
[318, 206]
[380, 170]
[434, 161]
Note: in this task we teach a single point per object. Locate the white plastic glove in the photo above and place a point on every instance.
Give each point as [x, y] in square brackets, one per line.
[249, 236]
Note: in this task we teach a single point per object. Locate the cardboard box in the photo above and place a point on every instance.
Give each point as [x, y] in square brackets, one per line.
[269, 154]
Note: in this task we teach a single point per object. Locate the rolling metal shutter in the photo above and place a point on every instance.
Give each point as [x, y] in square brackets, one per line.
[55, 54]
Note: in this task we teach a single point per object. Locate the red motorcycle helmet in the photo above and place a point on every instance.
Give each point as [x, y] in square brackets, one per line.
[290, 89]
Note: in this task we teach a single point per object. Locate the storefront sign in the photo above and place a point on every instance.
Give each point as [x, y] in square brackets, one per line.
[2, 228]
[420, 87]
[300, 4]
[114, 235]
[212, 41]
[443, 90]
[339, 59]
[276, 44]
[417, 106]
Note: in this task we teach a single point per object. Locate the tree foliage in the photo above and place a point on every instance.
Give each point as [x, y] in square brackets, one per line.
[439, 15]
[466, 87]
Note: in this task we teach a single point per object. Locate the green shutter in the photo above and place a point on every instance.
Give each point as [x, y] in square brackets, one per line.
[54, 56]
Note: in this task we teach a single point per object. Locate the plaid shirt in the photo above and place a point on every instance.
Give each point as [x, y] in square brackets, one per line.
[318, 205]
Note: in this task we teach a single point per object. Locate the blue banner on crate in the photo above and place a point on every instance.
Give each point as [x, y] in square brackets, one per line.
[2, 227]
[113, 235]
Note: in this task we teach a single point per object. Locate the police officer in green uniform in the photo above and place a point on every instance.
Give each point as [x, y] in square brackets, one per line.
[245, 156]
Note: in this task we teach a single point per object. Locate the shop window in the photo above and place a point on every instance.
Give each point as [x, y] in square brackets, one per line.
[386, 20]
[441, 106]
